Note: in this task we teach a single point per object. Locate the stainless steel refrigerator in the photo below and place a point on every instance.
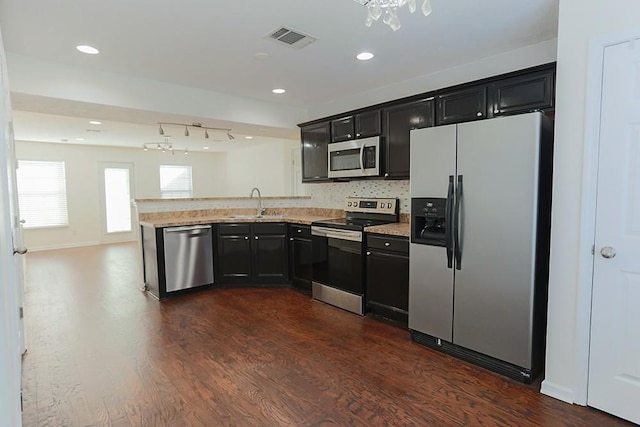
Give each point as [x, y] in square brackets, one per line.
[481, 202]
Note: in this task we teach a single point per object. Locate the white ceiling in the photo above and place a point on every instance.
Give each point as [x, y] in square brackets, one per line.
[212, 45]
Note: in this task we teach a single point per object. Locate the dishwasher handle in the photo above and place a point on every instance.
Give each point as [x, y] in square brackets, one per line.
[187, 228]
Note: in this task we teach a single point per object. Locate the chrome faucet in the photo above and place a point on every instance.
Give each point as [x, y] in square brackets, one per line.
[260, 208]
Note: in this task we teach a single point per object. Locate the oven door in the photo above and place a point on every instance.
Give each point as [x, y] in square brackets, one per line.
[356, 158]
[337, 258]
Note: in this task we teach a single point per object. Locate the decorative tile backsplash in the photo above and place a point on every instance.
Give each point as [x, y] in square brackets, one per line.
[332, 195]
[326, 195]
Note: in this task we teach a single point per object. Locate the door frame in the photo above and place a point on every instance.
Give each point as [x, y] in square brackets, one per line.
[123, 236]
[595, 62]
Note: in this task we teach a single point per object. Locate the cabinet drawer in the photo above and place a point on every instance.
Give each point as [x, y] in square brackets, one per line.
[300, 231]
[269, 228]
[387, 243]
[234, 229]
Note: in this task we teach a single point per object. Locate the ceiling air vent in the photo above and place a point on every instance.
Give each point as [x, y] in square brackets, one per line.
[290, 37]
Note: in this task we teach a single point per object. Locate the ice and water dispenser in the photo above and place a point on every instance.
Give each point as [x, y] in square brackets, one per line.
[429, 221]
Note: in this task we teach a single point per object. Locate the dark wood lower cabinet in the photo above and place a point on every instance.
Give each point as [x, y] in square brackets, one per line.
[300, 256]
[234, 258]
[252, 254]
[387, 293]
[270, 254]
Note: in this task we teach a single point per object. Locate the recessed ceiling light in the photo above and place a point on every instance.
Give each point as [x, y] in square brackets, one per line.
[206, 148]
[88, 49]
[278, 91]
[95, 122]
[79, 139]
[364, 56]
[248, 137]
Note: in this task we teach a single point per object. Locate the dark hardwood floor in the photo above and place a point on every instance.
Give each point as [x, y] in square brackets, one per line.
[101, 352]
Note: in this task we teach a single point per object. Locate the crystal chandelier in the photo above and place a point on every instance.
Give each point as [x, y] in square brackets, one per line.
[389, 8]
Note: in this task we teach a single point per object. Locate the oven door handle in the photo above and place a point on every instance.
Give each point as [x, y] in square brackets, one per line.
[362, 158]
[332, 233]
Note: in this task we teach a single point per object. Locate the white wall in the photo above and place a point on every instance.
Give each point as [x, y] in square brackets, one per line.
[83, 185]
[528, 56]
[267, 166]
[579, 21]
[50, 79]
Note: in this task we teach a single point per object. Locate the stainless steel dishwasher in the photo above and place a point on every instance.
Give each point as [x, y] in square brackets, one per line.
[188, 257]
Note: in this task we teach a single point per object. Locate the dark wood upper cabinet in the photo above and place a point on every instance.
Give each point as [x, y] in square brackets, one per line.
[342, 129]
[522, 94]
[315, 142]
[360, 125]
[399, 121]
[368, 124]
[462, 105]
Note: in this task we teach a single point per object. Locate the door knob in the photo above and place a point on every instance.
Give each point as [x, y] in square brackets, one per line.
[21, 250]
[608, 252]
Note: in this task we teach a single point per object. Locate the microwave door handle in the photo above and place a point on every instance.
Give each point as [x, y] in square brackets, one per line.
[362, 158]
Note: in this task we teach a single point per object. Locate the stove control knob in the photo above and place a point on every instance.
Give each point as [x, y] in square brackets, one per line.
[381, 205]
[349, 204]
[389, 205]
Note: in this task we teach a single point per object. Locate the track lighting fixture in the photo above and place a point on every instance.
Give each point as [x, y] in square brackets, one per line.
[197, 126]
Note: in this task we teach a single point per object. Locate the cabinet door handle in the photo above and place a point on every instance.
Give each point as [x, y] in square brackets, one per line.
[291, 239]
[256, 237]
[299, 231]
[368, 253]
[387, 244]
[358, 134]
[479, 114]
[386, 175]
[246, 238]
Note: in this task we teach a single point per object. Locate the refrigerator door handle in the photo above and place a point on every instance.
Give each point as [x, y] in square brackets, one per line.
[456, 225]
[448, 237]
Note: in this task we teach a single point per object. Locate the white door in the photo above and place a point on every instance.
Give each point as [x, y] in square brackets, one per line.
[11, 325]
[614, 363]
[116, 189]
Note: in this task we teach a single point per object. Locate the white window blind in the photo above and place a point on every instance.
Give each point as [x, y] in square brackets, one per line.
[42, 194]
[175, 182]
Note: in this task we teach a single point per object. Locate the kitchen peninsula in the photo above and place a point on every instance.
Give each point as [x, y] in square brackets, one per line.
[273, 249]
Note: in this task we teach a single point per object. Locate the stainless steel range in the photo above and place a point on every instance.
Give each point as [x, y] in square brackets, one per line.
[338, 245]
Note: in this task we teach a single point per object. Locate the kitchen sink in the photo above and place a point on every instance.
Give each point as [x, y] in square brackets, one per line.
[256, 217]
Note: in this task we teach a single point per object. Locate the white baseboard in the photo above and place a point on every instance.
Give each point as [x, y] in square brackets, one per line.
[75, 245]
[64, 246]
[557, 391]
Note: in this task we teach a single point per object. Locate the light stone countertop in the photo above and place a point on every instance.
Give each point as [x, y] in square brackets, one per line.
[197, 220]
[396, 229]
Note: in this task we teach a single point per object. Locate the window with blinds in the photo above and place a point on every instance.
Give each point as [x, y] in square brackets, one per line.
[175, 182]
[42, 194]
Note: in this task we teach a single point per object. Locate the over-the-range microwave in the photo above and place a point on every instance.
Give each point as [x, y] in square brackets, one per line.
[357, 158]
